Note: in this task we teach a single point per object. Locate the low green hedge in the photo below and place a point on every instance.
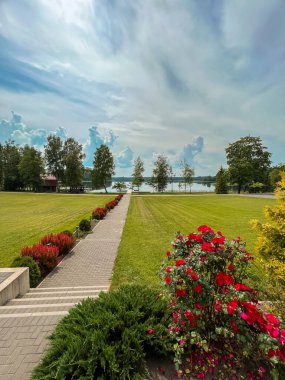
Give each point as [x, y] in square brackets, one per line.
[108, 338]
[34, 269]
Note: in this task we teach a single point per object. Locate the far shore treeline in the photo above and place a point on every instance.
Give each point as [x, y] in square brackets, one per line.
[60, 168]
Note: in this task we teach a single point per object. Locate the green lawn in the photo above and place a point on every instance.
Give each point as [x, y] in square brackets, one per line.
[25, 217]
[153, 222]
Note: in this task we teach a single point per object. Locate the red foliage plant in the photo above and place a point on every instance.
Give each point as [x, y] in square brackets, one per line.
[99, 213]
[62, 241]
[46, 256]
[110, 205]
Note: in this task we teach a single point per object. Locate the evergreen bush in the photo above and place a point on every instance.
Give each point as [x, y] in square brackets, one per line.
[85, 225]
[34, 269]
[107, 338]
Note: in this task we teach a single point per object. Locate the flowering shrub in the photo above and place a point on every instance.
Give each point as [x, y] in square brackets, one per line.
[217, 322]
[62, 241]
[110, 205]
[119, 197]
[99, 213]
[45, 256]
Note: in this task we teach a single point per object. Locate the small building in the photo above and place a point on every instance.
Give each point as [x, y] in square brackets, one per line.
[49, 184]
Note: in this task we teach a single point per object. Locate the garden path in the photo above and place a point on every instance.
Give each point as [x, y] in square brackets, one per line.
[26, 322]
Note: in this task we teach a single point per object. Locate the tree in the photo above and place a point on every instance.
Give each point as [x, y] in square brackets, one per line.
[221, 185]
[31, 168]
[274, 175]
[187, 174]
[137, 173]
[171, 177]
[73, 164]
[11, 156]
[248, 161]
[160, 173]
[119, 186]
[54, 157]
[271, 243]
[104, 167]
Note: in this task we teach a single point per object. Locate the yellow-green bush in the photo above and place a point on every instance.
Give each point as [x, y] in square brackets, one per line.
[270, 244]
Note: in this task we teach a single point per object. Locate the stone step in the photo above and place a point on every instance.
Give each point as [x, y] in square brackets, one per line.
[34, 314]
[96, 287]
[4, 310]
[48, 300]
[61, 293]
[52, 298]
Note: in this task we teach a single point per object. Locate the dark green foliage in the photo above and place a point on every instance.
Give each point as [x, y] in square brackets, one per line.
[160, 173]
[248, 161]
[54, 156]
[107, 338]
[104, 167]
[73, 157]
[10, 160]
[31, 168]
[85, 225]
[34, 270]
[221, 185]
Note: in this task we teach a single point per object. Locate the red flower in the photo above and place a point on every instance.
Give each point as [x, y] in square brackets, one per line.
[180, 262]
[231, 267]
[205, 229]
[168, 269]
[271, 353]
[239, 287]
[150, 331]
[272, 319]
[194, 276]
[218, 307]
[232, 306]
[281, 353]
[198, 288]
[168, 253]
[168, 280]
[224, 279]
[181, 292]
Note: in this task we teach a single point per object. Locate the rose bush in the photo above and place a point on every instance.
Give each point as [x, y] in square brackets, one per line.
[218, 325]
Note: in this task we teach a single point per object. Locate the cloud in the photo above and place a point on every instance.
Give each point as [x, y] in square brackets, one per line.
[191, 150]
[121, 67]
[125, 158]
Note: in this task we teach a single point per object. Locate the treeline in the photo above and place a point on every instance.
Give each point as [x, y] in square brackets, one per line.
[23, 168]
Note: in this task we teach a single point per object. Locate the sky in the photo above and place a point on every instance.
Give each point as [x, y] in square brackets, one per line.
[147, 77]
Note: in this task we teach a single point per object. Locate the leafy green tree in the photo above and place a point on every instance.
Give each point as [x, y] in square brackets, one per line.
[73, 157]
[54, 157]
[11, 156]
[104, 167]
[119, 186]
[248, 161]
[274, 175]
[221, 186]
[138, 173]
[160, 173]
[31, 168]
[187, 174]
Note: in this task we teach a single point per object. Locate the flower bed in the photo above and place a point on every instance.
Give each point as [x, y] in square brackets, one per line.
[218, 326]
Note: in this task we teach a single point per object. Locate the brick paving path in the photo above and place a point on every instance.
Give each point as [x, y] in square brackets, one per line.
[26, 322]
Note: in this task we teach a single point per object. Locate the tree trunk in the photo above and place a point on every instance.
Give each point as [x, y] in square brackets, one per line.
[239, 188]
[105, 189]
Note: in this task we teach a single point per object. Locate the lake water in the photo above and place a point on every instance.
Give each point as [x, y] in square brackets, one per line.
[195, 187]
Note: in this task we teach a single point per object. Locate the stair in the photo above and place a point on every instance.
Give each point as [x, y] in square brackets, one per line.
[48, 301]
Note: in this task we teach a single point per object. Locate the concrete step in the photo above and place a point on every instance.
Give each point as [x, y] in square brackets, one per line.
[48, 300]
[33, 314]
[94, 287]
[61, 293]
[16, 309]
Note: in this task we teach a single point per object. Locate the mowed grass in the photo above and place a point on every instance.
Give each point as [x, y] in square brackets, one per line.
[25, 217]
[152, 224]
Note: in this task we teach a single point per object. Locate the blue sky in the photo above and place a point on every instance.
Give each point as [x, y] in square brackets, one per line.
[180, 78]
